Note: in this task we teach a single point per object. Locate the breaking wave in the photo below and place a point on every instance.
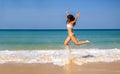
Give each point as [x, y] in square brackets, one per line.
[60, 57]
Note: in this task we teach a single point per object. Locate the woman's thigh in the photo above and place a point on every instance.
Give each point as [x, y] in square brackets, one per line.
[74, 39]
[67, 40]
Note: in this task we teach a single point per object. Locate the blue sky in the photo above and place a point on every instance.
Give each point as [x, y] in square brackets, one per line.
[50, 14]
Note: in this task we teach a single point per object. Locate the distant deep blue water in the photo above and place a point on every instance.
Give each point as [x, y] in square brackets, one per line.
[54, 39]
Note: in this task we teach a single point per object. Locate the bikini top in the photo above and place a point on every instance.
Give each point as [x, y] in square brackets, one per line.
[69, 26]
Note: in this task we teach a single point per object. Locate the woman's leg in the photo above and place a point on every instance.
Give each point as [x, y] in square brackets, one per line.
[66, 43]
[68, 39]
[73, 38]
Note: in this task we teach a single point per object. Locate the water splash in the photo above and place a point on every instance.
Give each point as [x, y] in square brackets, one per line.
[60, 57]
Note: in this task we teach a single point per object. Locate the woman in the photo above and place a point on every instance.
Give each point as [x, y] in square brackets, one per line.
[71, 21]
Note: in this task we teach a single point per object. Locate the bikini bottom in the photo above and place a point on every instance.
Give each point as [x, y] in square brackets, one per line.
[71, 34]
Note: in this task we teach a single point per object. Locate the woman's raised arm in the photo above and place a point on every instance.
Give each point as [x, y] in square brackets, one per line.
[67, 13]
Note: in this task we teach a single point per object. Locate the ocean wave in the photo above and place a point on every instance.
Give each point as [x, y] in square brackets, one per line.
[60, 57]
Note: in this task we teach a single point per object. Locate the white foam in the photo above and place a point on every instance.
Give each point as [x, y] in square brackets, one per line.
[60, 57]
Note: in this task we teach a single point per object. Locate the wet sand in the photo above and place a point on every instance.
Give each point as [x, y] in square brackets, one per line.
[90, 68]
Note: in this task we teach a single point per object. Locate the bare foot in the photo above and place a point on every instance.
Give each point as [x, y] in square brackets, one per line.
[87, 42]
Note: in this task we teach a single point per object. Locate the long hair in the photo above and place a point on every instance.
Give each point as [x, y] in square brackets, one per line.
[70, 18]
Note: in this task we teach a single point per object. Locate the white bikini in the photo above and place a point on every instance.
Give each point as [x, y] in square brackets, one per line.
[70, 26]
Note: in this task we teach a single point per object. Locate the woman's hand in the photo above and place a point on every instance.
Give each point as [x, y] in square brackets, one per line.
[67, 13]
[78, 14]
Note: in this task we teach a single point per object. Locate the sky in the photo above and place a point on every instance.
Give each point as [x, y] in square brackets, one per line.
[50, 14]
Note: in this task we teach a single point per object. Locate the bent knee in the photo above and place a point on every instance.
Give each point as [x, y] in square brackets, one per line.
[66, 44]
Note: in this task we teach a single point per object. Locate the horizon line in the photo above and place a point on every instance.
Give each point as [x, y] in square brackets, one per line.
[49, 29]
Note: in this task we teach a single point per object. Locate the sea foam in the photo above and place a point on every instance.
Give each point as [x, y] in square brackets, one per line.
[60, 57]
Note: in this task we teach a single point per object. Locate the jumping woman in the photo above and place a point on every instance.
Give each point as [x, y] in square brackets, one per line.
[71, 21]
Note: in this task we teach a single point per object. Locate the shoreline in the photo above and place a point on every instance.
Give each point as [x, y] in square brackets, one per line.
[71, 68]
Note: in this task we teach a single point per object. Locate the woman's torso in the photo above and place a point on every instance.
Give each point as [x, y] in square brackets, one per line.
[70, 28]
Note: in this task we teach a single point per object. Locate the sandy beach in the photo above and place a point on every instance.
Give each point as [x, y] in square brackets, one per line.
[90, 68]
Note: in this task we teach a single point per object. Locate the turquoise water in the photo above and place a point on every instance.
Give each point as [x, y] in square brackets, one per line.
[54, 39]
[46, 46]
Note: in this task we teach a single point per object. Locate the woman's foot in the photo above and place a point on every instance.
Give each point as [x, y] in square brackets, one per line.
[87, 41]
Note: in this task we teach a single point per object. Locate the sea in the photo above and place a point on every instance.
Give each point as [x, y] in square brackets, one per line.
[47, 46]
